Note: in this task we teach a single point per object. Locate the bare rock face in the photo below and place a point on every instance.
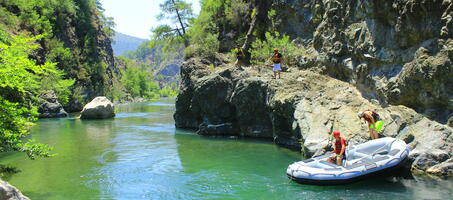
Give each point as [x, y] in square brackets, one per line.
[98, 108]
[51, 108]
[9, 192]
[396, 52]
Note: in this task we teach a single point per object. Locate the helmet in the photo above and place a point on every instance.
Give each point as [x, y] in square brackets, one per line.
[276, 49]
[336, 133]
[360, 114]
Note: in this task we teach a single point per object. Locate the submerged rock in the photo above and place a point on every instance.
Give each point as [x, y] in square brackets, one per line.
[9, 192]
[226, 129]
[98, 108]
[50, 108]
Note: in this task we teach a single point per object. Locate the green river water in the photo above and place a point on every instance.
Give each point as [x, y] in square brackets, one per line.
[140, 155]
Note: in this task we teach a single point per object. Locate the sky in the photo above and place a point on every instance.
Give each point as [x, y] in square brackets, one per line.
[137, 17]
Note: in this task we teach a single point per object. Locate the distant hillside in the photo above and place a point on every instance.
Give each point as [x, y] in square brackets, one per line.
[123, 43]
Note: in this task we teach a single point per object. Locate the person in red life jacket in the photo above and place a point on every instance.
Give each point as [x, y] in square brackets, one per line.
[374, 122]
[276, 58]
[338, 150]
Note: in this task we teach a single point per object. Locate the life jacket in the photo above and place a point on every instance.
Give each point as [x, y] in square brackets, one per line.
[277, 58]
[338, 147]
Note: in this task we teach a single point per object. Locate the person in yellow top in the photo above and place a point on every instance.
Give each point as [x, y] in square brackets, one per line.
[374, 121]
[277, 59]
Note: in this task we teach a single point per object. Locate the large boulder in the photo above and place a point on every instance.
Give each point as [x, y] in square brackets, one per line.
[50, 107]
[9, 192]
[98, 108]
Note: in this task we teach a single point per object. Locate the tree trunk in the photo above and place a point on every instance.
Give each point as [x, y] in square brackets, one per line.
[183, 35]
[248, 37]
[179, 18]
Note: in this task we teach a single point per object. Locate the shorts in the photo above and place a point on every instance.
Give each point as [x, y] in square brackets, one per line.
[342, 158]
[377, 126]
[277, 67]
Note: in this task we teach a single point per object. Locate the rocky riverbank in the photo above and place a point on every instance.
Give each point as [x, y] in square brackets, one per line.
[299, 111]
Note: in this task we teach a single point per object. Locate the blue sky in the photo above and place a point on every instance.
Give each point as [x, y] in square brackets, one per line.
[137, 17]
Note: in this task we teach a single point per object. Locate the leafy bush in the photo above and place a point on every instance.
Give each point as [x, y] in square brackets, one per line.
[262, 50]
[139, 83]
[206, 46]
[168, 92]
[53, 80]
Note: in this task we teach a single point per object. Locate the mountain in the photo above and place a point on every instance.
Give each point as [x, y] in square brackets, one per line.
[123, 43]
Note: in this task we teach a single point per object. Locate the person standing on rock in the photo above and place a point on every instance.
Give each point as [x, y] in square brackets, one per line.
[338, 149]
[239, 58]
[276, 58]
[374, 122]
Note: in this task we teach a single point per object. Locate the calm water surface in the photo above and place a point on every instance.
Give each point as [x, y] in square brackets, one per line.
[140, 155]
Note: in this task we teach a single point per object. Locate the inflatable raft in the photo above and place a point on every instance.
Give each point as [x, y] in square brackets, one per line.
[370, 158]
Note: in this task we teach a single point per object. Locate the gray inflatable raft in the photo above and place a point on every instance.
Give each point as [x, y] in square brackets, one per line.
[370, 158]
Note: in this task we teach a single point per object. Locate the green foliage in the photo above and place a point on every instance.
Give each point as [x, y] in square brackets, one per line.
[170, 9]
[117, 92]
[271, 14]
[180, 12]
[168, 92]
[207, 48]
[72, 31]
[204, 32]
[262, 49]
[20, 81]
[237, 12]
[139, 83]
[54, 81]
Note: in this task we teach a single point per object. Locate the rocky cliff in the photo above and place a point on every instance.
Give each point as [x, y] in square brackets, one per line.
[396, 52]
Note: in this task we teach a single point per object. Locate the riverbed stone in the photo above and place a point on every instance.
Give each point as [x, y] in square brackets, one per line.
[9, 192]
[98, 108]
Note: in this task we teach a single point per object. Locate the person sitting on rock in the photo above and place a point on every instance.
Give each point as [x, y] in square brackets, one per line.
[338, 150]
[374, 122]
[276, 58]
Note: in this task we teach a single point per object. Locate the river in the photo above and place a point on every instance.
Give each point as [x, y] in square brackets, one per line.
[140, 155]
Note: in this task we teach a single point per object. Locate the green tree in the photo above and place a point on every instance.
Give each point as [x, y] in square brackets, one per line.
[180, 12]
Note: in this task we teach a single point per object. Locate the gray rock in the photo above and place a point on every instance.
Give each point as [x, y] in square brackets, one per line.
[408, 61]
[9, 192]
[74, 105]
[98, 108]
[50, 107]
